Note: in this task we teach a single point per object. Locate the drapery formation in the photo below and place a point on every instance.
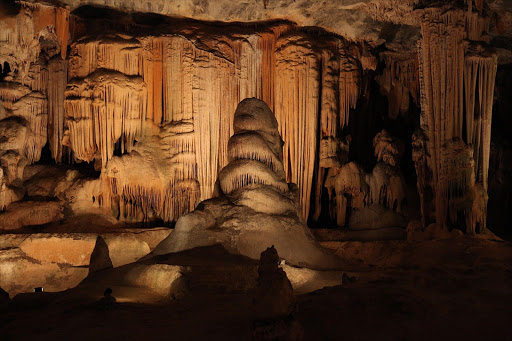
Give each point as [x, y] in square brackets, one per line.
[124, 88]
[33, 47]
[175, 88]
[457, 78]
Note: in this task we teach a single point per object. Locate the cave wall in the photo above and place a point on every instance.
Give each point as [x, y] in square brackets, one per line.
[159, 93]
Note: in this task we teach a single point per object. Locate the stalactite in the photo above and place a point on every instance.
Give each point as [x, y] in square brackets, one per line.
[399, 81]
[169, 187]
[101, 109]
[57, 80]
[213, 91]
[457, 134]
[348, 85]
[179, 67]
[296, 108]
[152, 70]
[109, 52]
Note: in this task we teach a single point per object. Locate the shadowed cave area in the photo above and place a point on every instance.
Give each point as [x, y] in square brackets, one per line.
[258, 170]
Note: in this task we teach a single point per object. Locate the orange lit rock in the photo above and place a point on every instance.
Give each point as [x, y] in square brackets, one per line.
[74, 249]
[26, 213]
[21, 273]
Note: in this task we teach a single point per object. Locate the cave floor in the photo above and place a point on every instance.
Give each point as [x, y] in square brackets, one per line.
[451, 289]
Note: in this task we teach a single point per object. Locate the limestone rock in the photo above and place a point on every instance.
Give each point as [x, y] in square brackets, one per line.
[26, 213]
[161, 278]
[74, 249]
[21, 273]
[125, 248]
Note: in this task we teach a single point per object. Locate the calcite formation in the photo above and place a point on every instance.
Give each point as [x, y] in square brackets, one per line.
[457, 85]
[255, 208]
[92, 85]
[351, 188]
[123, 87]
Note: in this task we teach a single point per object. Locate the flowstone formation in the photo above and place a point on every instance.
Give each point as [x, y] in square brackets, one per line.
[255, 207]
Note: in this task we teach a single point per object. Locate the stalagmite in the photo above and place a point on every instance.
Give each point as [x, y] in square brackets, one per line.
[247, 217]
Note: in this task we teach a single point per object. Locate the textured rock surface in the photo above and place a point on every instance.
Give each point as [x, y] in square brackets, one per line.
[26, 213]
[58, 261]
[354, 19]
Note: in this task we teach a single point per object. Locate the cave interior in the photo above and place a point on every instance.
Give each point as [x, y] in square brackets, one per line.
[278, 170]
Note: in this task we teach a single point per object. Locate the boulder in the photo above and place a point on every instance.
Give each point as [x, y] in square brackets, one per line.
[74, 249]
[21, 274]
[125, 248]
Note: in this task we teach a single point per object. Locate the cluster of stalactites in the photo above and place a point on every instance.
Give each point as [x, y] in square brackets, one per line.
[296, 110]
[352, 188]
[479, 79]
[101, 109]
[34, 44]
[21, 35]
[339, 94]
[297, 95]
[164, 183]
[457, 84]
[399, 81]
[184, 81]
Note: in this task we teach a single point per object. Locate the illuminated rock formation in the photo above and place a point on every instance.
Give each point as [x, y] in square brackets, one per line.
[256, 206]
[161, 96]
[33, 43]
[351, 188]
[169, 187]
[456, 115]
